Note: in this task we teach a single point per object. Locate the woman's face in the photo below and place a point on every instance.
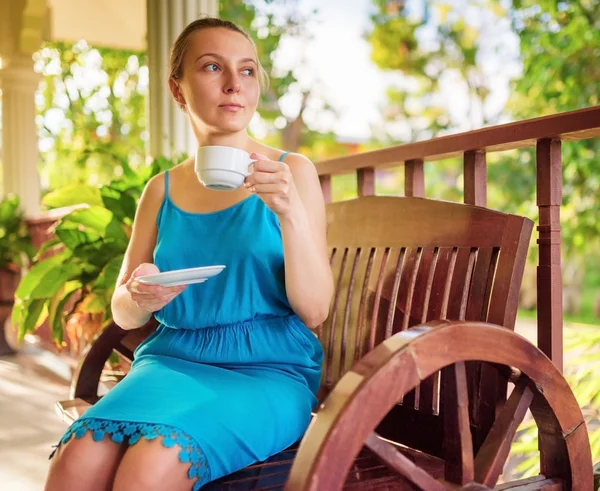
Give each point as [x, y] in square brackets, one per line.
[219, 83]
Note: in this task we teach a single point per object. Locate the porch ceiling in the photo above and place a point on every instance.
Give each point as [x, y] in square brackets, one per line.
[107, 23]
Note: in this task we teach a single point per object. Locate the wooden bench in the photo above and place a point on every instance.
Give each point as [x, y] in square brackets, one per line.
[419, 359]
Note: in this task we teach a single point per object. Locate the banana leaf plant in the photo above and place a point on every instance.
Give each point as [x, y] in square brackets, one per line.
[75, 272]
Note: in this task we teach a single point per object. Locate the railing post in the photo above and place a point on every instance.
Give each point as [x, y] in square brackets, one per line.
[365, 179]
[475, 178]
[414, 180]
[326, 187]
[549, 276]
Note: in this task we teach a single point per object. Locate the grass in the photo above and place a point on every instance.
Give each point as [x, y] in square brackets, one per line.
[587, 318]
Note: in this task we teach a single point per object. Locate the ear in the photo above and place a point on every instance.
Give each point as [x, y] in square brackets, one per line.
[176, 92]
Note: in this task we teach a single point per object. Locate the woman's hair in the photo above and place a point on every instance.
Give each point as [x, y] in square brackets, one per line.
[180, 46]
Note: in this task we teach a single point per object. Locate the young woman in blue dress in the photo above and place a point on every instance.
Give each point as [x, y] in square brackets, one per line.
[230, 375]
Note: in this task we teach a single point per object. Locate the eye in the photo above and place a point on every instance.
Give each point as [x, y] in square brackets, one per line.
[248, 71]
[211, 67]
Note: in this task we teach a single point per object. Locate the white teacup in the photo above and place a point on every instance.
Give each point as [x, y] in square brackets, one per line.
[222, 168]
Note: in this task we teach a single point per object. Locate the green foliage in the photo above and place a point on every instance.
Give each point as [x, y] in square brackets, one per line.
[560, 45]
[428, 51]
[15, 241]
[91, 105]
[87, 252]
[559, 48]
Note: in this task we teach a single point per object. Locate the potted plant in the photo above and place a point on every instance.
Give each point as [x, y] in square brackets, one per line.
[16, 250]
[73, 275]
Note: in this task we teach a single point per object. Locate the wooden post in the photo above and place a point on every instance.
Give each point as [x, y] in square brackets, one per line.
[549, 277]
[326, 187]
[414, 180]
[366, 181]
[475, 178]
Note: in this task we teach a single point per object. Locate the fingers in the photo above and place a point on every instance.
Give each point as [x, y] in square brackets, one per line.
[265, 189]
[154, 291]
[135, 286]
[278, 181]
[152, 297]
[263, 164]
[152, 304]
[145, 269]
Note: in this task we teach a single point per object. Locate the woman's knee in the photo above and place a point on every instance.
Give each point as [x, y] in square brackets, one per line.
[151, 466]
[82, 461]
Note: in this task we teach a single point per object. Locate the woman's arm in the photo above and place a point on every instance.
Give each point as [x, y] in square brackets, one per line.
[308, 278]
[300, 207]
[133, 303]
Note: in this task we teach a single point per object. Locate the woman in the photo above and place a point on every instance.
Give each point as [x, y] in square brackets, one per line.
[229, 377]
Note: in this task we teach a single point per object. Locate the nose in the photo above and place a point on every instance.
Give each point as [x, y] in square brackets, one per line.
[232, 86]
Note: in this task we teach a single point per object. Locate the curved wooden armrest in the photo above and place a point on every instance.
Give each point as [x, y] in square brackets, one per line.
[365, 394]
[92, 362]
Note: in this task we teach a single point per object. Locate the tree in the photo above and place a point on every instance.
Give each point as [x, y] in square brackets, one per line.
[439, 55]
[435, 51]
[91, 107]
[559, 48]
[559, 44]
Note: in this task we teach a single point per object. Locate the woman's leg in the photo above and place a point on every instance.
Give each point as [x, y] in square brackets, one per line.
[85, 465]
[151, 466]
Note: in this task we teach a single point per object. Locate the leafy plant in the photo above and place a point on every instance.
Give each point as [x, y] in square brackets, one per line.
[79, 275]
[91, 103]
[15, 242]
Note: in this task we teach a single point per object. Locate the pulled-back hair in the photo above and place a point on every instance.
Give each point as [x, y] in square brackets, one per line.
[180, 45]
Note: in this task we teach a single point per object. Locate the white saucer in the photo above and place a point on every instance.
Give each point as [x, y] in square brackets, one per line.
[178, 277]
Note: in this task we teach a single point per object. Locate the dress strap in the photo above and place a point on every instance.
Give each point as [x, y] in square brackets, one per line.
[283, 156]
[165, 201]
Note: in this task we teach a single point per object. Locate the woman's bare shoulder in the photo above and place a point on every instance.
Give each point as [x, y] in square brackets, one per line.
[293, 158]
[155, 187]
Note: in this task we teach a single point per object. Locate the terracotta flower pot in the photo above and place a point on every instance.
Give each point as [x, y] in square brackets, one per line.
[9, 280]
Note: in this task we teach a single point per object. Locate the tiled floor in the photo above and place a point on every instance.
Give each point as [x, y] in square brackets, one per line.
[30, 383]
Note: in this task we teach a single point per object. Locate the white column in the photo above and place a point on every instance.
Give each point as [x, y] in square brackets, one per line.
[170, 132]
[22, 27]
[19, 136]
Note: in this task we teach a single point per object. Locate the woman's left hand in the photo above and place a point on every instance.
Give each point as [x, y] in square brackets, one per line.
[272, 181]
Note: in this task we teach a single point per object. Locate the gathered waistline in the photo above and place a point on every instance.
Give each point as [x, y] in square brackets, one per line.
[259, 319]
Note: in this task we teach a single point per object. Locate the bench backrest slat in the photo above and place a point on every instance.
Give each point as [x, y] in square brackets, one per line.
[398, 262]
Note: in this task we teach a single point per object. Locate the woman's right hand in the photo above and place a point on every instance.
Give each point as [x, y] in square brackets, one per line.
[150, 297]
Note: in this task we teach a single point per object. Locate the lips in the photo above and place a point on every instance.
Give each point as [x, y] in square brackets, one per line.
[232, 106]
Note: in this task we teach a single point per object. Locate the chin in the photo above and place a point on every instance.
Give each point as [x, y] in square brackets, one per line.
[232, 126]
[221, 123]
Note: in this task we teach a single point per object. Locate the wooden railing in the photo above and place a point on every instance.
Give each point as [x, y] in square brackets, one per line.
[546, 134]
